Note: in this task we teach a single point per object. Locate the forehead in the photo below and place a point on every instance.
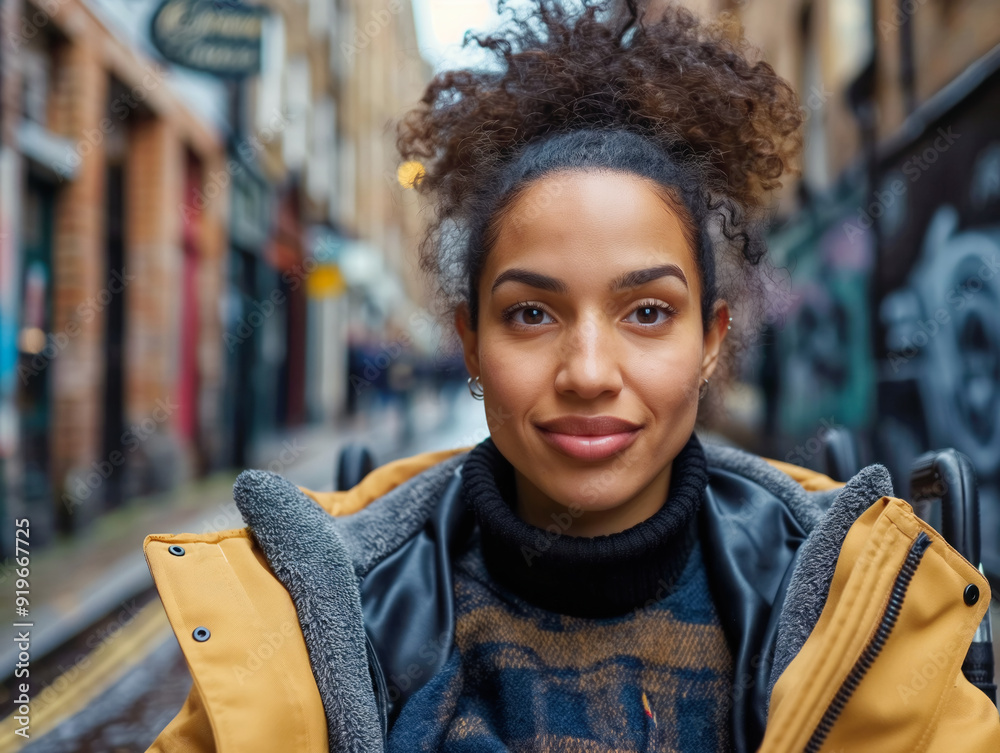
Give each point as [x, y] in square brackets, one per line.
[593, 225]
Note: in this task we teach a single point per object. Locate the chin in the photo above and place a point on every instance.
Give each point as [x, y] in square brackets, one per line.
[589, 496]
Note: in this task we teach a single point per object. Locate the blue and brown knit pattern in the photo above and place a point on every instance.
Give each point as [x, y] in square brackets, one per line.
[526, 679]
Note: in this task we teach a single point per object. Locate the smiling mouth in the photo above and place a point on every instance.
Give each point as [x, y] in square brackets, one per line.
[591, 447]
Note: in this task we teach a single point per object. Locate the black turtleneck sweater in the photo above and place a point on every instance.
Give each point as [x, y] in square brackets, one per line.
[601, 576]
[577, 643]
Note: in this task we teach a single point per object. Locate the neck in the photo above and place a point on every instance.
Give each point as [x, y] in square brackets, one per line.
[582, 574]
[535, 507]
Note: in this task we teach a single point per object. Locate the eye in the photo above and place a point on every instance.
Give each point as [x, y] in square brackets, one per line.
[527, 315]
[649, 313]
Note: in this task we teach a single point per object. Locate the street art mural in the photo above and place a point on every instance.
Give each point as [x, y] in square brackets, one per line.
[943, 332]
[827, 369]
[823, 372]
[937, 287]
[894, 329]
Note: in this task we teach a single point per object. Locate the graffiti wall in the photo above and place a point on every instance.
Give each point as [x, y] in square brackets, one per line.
[822, 351]
[892, 328]
[937, 294]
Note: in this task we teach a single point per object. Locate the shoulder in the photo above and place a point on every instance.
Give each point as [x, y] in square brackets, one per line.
[804, 492]
[808, 494]
[392, 503]
[407, 472]
[393, 497]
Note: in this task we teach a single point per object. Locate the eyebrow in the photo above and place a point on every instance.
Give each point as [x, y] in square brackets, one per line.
[627, 280]
[642, 276]
[532, 279]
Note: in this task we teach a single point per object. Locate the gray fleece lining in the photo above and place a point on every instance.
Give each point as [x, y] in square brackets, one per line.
[306, 553]
[376, 531]
[810, 581]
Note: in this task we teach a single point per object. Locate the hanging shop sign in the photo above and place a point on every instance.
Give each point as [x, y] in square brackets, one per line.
[222, 37]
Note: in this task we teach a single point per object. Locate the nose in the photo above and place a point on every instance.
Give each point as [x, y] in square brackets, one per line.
[589, 363]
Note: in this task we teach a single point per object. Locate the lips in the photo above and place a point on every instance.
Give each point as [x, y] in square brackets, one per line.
[589, 437]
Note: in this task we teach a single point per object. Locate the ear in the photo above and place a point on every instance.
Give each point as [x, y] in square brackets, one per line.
[714, 337]
[470, 339]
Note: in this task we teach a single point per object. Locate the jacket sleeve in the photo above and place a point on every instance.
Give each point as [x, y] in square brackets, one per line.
[189, 731]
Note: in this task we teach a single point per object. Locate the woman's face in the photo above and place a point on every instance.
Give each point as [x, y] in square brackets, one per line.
[591, 348]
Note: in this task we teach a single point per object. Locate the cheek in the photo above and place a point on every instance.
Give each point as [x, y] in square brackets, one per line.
[667, 379]
[513, 380]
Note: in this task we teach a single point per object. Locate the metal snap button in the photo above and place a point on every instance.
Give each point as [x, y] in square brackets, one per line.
[177, 551]
[201, 634]
[971, 594]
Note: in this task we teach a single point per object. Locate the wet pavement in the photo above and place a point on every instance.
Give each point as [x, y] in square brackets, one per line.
[128, 716]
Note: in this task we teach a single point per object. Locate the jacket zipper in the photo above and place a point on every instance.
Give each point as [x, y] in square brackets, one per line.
[874, 646]
[378, 687]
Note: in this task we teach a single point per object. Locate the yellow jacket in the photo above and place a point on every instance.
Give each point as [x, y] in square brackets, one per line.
[254, 688]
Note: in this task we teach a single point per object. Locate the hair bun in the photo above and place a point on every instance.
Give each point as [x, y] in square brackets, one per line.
[683, 82]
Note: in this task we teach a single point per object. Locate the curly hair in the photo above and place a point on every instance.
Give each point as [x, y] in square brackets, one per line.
[693, 88]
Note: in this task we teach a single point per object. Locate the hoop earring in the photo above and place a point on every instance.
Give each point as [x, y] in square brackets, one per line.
[472, 390]
[704, 389]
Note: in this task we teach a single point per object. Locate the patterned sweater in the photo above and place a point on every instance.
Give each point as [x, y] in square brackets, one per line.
[577, 644]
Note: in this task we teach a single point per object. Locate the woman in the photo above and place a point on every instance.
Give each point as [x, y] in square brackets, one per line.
[591, 577]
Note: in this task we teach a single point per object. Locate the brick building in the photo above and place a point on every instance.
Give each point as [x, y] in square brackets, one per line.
[115, 287]
[172, 244]
[339, 73]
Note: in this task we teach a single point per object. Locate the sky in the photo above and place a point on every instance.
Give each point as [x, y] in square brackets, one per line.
[441, 24]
